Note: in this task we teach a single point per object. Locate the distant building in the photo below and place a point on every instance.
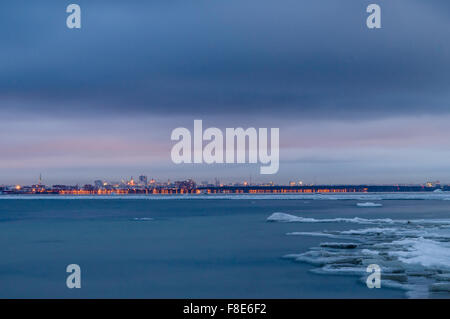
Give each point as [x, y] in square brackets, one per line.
[98, 183]
[433, 184]
[143, 180]
[88, 187]
[187, 184]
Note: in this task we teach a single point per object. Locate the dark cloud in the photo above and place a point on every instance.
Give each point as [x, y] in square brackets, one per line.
[311, 59]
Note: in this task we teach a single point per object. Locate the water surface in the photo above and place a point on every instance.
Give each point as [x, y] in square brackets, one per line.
[190, 247]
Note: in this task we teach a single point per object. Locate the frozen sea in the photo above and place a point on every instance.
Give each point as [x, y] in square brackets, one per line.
[235, 246]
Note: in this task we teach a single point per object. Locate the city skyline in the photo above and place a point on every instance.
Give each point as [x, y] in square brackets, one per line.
[353, 105]
[145, 180]
[144, 186]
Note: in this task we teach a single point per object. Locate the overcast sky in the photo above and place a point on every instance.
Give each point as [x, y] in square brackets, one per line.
[353, 105]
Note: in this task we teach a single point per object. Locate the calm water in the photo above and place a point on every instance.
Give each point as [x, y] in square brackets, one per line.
[190, 248]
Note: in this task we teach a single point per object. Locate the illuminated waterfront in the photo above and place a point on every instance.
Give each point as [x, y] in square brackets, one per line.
[191, 187]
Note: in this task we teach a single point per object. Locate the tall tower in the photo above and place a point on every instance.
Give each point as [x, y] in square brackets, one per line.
[40, 179]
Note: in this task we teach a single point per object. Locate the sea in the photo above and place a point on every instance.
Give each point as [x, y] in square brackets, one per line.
[226, 246]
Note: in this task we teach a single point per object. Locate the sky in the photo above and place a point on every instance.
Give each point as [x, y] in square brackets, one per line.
[353, 105]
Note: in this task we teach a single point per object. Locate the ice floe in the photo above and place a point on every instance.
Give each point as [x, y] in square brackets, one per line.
[369, 204]
[414, 255]
[426, 252]
[440, 287]
[318, 234]
[287, 218]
